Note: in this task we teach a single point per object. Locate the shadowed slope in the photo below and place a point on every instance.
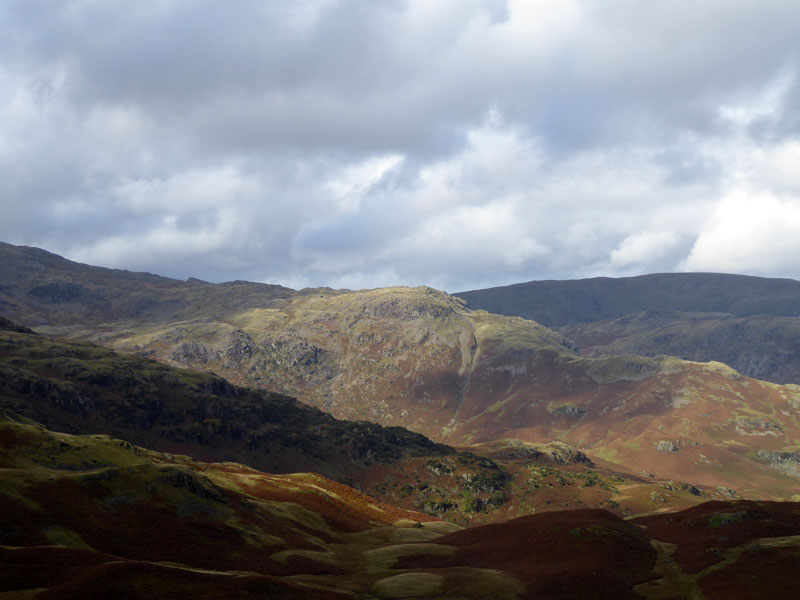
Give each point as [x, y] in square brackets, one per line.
[763, 346]
[40, 288]
[750, 323]
[741, 550]
[559, 303]
[563, 555]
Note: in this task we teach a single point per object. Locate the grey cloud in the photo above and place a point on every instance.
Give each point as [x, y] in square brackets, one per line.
[533, 145]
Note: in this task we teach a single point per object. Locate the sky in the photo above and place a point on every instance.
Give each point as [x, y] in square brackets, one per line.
[459, 144]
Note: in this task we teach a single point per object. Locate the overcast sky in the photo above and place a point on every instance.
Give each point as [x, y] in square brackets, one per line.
[459, 144]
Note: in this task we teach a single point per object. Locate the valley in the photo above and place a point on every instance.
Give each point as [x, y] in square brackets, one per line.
[381, 443]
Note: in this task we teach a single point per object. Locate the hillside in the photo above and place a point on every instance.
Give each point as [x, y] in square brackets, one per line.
[40, 288]
[761, 346]
[79, 387]
[417, 357]
[93, 516]
[560, 303]
[749, 323]
[510, 425]
[89, 515]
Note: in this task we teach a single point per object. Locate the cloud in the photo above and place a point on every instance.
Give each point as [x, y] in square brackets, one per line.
[642, 248]
[750, 233]
[350, 184]
[460, 143]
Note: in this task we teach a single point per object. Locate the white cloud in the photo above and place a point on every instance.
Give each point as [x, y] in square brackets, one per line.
[642, 248]
[490, 235]
[187, 192]
[350, 184]
[496, 159]
[750, 233]
[168, 237]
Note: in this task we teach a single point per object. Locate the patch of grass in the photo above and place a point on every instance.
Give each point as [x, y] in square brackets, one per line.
[408, 585]
[385, 557]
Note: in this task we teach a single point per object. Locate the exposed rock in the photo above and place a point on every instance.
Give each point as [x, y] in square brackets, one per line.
[667, 446]
[567, 409]
[788, 462]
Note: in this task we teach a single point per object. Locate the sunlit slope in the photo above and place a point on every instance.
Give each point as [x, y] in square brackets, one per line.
[392, 355]
[417, 357]
[83, 388]
[698, 421]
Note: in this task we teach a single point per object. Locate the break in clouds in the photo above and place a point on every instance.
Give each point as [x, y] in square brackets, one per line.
[458, 144]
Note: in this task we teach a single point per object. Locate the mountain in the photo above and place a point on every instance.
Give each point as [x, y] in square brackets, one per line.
[749, 323]
[94, 516]
[80, 388]
[419, 358]
[38, 288]
[760, 346]
[561, 303]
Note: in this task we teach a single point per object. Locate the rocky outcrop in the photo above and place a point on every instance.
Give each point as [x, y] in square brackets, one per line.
[785, 461]
[667, 446]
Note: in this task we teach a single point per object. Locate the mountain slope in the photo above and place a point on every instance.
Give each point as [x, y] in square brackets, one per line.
[761, 346]
[40, 288]
[559, 303]
[90, 515]
[417, 357]
[77, 386]
[93, 516]
[82, 388]
[750, 323]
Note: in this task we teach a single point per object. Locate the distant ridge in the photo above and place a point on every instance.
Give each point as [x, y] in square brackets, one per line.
[40, 288]
[559, 303]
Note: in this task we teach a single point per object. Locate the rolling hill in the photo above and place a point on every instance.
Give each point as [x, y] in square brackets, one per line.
[94, 516]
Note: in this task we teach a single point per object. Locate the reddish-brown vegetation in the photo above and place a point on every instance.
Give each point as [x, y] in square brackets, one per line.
[344, 508]
[758, 573]
[561, 555]
[705, 532]
[129, 580]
